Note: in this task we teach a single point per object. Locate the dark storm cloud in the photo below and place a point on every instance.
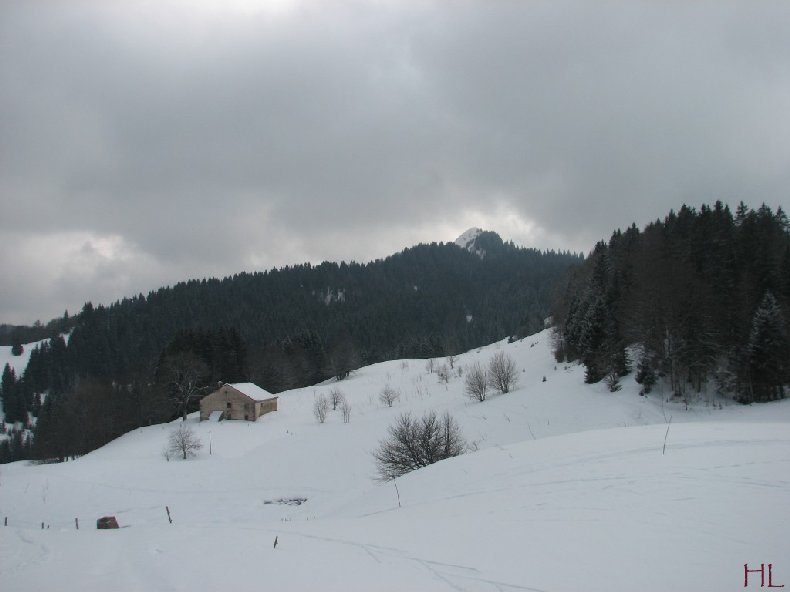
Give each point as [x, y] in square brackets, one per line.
[188, 141]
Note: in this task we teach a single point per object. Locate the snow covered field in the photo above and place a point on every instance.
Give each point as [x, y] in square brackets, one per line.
[567, 490]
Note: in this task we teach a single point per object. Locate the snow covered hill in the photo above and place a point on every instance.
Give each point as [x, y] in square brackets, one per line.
[568, 487]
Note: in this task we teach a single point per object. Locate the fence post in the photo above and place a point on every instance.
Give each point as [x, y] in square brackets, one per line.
[77, 523]
[168, 515]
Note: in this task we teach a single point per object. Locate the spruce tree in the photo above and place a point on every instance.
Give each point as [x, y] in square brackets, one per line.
[13, 399]
[768, 351]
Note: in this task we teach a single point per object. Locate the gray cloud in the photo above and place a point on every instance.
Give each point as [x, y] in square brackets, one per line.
[205, 141]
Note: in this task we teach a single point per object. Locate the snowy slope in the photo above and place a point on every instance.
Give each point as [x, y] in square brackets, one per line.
[568, 490]
[17, 363]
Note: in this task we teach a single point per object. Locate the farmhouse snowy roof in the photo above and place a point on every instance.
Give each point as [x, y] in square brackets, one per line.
[253, 391]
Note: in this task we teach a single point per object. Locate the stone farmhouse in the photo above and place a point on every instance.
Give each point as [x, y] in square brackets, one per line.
[243, 400]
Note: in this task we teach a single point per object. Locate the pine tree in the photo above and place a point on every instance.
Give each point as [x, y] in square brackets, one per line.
[13, 399]
[591, 339]
[768, 350]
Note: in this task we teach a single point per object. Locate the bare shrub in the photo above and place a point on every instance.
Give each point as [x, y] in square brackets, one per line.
[476, 383]
[443, 372]
[345, 407]
[388, 395]
[321, 408]
[336, 398]
[414, 443]
[183, 441]
[502, 374]
[451, 361]
[613, 382]
[429, 365]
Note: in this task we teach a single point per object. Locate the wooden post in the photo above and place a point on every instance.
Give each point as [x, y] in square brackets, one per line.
[5, 521]
[168, 515]
[669, 423]
[77, 523]
[42, 526]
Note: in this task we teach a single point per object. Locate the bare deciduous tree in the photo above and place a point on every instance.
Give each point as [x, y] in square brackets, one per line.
[321, 408]
[336, 398]
[476, 383]
[502, 374]
[451, 361]
[345, 407]
[415, 443]
[183, 441]
[388, 395]
[443, 372]
[429, 365]
[185, 374]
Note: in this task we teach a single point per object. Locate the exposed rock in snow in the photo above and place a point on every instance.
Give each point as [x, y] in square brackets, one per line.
[467, 239]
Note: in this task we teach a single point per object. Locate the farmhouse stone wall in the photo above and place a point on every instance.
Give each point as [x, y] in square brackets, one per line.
[235, 405]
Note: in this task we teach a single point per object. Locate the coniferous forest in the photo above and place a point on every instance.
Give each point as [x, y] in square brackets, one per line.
[696, 303]
[148, 359]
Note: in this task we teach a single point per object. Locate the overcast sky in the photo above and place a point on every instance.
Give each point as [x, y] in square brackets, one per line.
[144, 143]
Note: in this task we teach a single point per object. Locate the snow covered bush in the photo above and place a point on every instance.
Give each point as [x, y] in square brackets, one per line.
[414, 443]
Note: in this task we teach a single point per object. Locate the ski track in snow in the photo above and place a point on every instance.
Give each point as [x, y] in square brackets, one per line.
[444, 572]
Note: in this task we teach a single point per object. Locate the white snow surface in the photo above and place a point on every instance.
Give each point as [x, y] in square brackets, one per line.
[569, 488]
